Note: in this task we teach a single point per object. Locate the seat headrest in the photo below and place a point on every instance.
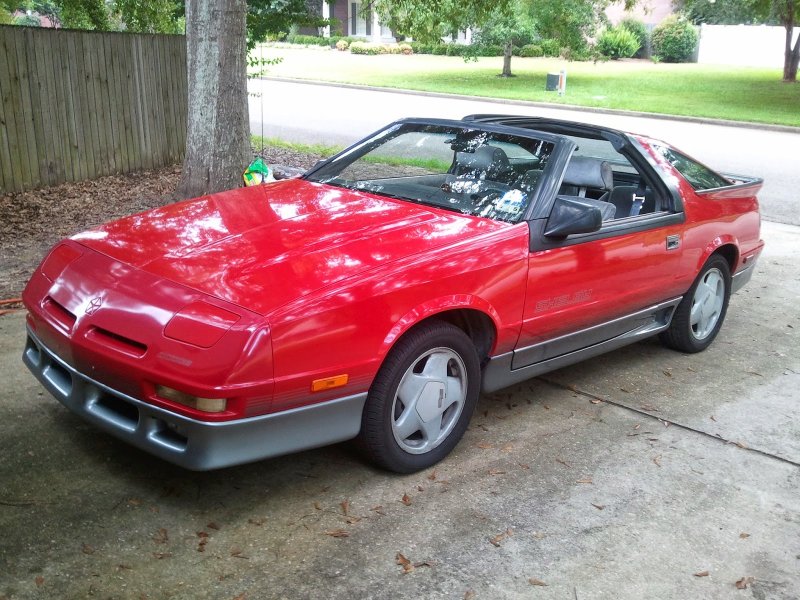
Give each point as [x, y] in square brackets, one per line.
[583, 171]
[488, 159]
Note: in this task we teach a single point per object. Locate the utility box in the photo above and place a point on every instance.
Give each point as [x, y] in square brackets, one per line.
[552, 82]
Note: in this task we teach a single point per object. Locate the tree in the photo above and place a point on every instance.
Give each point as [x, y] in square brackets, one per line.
[568, 21]
[84, 14]
[788, 14]
[733, 12]
[217, 139]
[508, 28]
[218, 134]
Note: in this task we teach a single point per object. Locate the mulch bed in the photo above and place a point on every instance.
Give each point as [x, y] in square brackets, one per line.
[32, 222]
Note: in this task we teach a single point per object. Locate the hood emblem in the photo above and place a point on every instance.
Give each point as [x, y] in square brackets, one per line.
[94, 305]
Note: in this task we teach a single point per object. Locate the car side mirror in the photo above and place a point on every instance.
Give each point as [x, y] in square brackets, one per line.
[570, 216]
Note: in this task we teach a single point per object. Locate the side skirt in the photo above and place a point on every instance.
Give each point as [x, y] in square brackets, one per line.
[500, 371]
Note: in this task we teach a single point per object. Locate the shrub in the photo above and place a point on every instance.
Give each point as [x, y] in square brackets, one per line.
[342, 45]
[439, 49]
[367, 48]
[531, 51]
[674, 39]
[617, 42]
[639, 29]
[406, 49]
[489, 50]
[550, 47]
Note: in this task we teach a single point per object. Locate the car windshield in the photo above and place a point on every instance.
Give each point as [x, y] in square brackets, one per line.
[468, 170]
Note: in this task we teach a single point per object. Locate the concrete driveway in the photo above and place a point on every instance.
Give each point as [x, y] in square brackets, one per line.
[641, 474]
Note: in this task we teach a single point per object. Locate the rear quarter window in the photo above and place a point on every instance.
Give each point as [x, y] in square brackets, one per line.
[699, 176]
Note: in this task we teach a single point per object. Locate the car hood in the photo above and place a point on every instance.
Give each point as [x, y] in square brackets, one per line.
[263, 246]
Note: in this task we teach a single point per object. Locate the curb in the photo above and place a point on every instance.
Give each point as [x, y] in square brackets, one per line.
[591, 109]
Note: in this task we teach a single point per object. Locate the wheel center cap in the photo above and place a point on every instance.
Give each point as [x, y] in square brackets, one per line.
[431, 401]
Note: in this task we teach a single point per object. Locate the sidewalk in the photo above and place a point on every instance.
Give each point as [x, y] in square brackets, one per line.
[640, 474]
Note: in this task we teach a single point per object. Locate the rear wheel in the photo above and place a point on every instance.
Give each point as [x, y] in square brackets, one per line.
[699, 316]
[422, 399]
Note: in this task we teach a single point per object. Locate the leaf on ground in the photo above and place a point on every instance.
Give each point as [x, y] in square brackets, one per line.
[539, 535]
[534, 581]
[584, 480]
[469, 595]
[237, 552]
[702, 574]
[563, 462]
[317, 506]
[657, 460]
[420, 488]
[596, 401]
[484, 445]
[599, 506]
[352, 519]
[432, 475]
[161, 536]
[667, 373]
[507, 448]
[124, 567]
[162, 555]
[741, 445]
[648, 408]
[213, 525]
[345, 504]
[338, 533]
[713, 418]
[744, 535]
[495, 540]
[242, 596]
[87, 549]
[406, 499]
[742, 583]
[378, 509]
[256, 521]
[525, 466]
[496, 472]
[404, 562]
[134, 501]
[39, 581]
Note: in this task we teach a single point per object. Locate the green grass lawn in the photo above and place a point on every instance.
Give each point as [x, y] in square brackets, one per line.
[736, 93]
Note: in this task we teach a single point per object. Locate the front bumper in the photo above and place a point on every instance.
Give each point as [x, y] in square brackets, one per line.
[187, 442]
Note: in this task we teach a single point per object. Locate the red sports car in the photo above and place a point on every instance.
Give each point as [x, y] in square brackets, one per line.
[379, 294]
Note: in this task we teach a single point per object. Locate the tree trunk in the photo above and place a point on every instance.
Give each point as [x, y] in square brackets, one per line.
[218, 134]
[508, 47]
[791, 56]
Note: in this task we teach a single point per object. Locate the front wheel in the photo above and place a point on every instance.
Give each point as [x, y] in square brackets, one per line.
[699, 316]
[422, 399]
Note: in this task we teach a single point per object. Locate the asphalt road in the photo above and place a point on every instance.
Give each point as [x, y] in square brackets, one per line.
[313, 113]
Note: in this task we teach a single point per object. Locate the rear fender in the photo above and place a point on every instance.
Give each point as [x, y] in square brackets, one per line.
[716, 244]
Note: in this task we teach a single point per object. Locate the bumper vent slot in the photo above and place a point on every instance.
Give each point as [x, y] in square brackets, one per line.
[116, 342]
[60, 314]
[116, 410]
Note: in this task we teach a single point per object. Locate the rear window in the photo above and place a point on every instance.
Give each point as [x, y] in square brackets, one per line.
[699, 177]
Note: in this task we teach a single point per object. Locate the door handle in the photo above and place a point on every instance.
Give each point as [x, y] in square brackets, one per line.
[673, 242]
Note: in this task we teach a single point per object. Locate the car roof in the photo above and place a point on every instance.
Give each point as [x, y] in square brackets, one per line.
[557, 126]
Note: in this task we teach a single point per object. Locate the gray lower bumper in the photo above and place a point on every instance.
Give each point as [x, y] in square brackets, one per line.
[193, 444]
[738, 280]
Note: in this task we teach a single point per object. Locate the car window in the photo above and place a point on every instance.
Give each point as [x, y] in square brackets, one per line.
[699, 176]
[469, 170]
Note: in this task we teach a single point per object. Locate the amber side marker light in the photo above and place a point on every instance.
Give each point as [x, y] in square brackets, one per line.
[328, 383]
[212, 405]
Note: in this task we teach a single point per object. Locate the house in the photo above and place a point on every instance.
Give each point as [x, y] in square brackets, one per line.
[356, 20]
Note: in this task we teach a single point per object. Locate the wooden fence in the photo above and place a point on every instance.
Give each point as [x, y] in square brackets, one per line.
[76, 105]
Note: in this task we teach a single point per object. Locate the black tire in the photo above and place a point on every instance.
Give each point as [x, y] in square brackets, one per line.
[682, 334]
[435, 346]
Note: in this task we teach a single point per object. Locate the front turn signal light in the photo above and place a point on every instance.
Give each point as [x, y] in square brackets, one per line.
[212, 405]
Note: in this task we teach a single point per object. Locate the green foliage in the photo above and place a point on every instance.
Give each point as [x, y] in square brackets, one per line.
[85, 14]
[570, 22]
[342, 45]
[28, 21]
[153, 16]
[373, 49]
[674, 39]
[725, 12]
[531, 51]
[550, 47]
[617, 42]
[276, 17]
[639, 30]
